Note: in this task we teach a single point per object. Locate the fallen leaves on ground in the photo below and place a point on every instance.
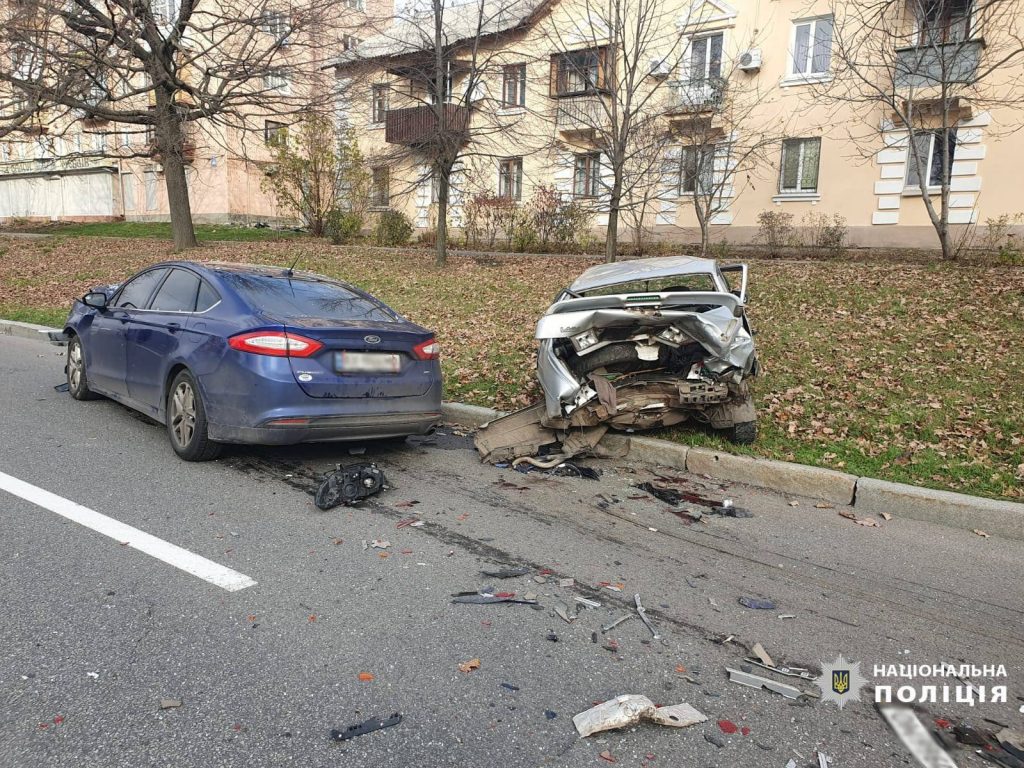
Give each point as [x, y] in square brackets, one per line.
[469, 666]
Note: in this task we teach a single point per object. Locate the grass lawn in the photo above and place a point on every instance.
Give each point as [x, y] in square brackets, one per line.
[162, 230]
[912, 373]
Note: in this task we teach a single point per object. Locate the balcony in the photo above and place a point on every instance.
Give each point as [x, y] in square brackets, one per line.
[695, 96]
[929, 66]
[415, 126]
[580, 114]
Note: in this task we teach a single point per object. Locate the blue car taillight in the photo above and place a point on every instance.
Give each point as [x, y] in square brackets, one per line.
[275, 344]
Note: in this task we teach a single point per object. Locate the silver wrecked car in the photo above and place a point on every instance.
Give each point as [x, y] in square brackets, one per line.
[636, 345]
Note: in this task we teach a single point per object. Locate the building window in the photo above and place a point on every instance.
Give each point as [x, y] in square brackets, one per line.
[705, 59]
[379, 105]
[165, 10]
[586, 178]
[927, 146]
[277, 24]
[578, 72]
[349, 43]
[275, 81]
[696, 169]
[513, 87]
[812, 46]
[380, 187]
[275, 134]
[944, 21]
[510, 178]
[800, 165]
[356, 5]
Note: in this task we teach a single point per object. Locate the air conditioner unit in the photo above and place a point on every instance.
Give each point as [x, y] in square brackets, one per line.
[751, 60]
[660, 68]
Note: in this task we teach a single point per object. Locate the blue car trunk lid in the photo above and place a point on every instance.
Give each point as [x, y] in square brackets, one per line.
[363, 359]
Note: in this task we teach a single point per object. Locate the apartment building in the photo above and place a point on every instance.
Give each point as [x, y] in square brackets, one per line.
[74, 166]
[528, 84]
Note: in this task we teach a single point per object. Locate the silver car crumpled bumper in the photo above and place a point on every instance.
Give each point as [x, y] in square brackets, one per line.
[604, 364]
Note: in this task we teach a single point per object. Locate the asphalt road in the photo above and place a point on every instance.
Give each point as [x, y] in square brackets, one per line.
[94, 633]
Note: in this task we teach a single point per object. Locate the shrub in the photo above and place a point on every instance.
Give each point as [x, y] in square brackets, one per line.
[342, 226]
[393, 228]
[999, 241]
[825, 233]
[775, 230]
[485, 215]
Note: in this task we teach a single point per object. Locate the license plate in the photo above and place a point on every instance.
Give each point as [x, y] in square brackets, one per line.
[367, 362]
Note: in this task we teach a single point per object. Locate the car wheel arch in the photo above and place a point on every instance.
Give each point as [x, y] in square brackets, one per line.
[173, 371]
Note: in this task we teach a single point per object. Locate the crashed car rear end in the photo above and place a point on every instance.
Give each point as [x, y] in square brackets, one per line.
[636, 345]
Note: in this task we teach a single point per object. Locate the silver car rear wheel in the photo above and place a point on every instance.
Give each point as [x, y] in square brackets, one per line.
[183, 414]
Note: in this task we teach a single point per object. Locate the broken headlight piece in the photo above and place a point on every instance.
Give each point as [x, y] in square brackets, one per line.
[585, 340]
[347, 485]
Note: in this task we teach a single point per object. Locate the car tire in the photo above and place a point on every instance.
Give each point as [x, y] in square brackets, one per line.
[743, 433]
[78, 381]
[186, 421]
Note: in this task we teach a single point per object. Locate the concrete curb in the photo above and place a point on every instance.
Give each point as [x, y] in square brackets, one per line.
[25, 330]
[866, 495]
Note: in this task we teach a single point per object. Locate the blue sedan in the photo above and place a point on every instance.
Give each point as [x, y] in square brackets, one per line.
[230, 353]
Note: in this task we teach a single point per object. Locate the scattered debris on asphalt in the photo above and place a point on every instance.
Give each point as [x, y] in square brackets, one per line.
[380, 544]
[170, 703]
[641, 611]
[487, 595]
[607, 756]
[365, 677]
[562, 610]
[867, 522]
[885, 515]
[800, 672]
[757, 603]
[714, 738]
[981, 533]
[630, 709]
[506, 573]
[667, 495]
[550, 714]
[62, 387]
[823, 760]
[756, 681]
[552, 637]
[510, 687]
[527, 464]
[350, 485]
[613, 624]
[367, 726]
[728, 509]
[469, 666]
[759, 651]
[587, 602]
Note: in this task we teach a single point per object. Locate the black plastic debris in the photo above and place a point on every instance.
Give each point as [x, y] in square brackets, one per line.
[757, 603]
[564, 469]
[668, 495]
[727, 509]
[488, 595]
[367, 726]
[61, 387]
[549, 714]
[510, 687]
[349, 485]
[551, 636]
[506, 573]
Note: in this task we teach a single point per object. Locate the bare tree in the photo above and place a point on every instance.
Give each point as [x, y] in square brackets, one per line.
[444, 59]
[160, 66]
[919, 69]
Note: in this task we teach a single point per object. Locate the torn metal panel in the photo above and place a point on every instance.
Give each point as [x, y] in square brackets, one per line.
[756, 681]
[518, 434]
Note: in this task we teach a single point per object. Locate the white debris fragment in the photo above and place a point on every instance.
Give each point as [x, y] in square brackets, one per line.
[630, 709]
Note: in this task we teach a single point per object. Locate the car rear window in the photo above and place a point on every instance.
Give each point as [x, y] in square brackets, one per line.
[303, 299]
[681, 283]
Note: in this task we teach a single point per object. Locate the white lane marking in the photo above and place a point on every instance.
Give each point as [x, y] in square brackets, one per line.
[169, 553]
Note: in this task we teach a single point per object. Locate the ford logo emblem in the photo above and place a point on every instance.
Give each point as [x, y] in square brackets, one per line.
[371, 339]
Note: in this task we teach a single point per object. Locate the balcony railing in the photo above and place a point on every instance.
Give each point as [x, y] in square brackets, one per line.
[412, 126]
[696, 95]
[580, 113]
[933, 65]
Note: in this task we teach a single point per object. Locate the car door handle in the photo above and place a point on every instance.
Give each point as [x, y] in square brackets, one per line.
[174, 327]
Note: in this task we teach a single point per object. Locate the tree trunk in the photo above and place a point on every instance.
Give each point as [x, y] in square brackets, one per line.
[441, 241]
[611, 250]
[705, 239]
[170, 147]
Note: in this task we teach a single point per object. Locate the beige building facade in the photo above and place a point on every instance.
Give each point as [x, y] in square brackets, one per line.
[70, 168]
[528, 119]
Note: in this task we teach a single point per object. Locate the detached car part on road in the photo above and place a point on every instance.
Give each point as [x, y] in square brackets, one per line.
[230, 353]
[636, 345]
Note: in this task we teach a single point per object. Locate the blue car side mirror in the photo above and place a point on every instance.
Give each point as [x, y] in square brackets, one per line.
[95, 299]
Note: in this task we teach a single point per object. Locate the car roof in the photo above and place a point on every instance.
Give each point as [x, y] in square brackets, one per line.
[251, 269]
[641, 269]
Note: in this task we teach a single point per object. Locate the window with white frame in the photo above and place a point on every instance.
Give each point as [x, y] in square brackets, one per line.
[277, 24]
[379, 103]
[812, 47]
[696, 168]
[510, 178]
[275, 81]
[705, 60]
[800, 158]
[586, 178]
[355, 5]
[926, 147]
[513, 85]
[275, 134]
[349, 42]
[165, 10]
